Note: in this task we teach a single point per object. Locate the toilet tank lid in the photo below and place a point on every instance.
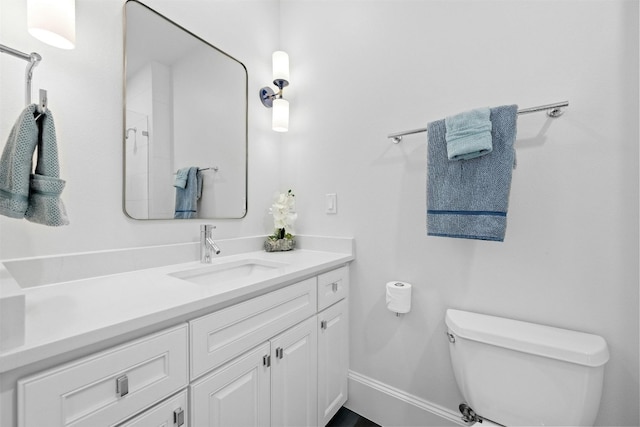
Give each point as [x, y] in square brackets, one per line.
[556, 343]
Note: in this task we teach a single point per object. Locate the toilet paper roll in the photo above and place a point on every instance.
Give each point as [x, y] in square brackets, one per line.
[399, 297]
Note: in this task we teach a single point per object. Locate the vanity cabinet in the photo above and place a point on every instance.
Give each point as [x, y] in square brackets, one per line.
[296, 378]
[276, 359]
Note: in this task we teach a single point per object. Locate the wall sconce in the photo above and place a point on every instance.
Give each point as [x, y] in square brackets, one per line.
[53, 22]
[270, 99]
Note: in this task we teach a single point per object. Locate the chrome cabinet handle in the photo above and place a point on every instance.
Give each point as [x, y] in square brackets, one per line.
[122, 386]
[334, 286]
[178, 417]
[323, 324]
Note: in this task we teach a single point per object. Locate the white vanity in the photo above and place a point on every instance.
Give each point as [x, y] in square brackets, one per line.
[254, 338]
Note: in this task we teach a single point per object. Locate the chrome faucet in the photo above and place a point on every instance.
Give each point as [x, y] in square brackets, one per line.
[207, 245]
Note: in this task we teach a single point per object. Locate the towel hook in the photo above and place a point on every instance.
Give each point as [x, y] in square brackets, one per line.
[42, 105]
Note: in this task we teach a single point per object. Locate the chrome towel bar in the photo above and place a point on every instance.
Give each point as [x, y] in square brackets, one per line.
[553, 110]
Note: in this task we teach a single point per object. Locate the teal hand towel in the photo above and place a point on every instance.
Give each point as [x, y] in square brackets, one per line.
[16, 164]
[468, 134]
[470, 199]
[181, 178]
[45, 186]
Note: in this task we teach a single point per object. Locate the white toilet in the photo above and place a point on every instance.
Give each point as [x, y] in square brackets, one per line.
[515, 373]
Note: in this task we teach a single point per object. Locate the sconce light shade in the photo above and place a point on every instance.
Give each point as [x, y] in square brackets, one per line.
[280, 117]
[271, 99]
[280, 62]
[53, 22]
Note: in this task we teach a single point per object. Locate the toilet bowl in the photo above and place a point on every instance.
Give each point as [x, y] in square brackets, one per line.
[516, 373]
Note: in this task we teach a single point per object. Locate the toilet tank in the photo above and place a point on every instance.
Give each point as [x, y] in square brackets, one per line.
[518, 373]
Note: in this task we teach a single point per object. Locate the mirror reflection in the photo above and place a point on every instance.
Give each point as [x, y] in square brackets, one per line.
[185, 123]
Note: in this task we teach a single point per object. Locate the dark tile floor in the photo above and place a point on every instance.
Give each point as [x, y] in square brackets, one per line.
[346, 418]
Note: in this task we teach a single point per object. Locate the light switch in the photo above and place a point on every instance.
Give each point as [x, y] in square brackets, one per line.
[331, 203]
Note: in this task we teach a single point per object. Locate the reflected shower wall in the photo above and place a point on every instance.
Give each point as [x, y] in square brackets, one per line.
[137, 165]
[150, 94]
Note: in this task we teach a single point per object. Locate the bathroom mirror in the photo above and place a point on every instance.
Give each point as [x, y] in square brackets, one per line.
[185, 105]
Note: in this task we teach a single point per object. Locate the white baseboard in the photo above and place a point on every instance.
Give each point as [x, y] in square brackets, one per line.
[389, 406]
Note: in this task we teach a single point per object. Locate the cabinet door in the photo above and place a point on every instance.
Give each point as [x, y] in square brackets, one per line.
[294, 380]
[237, 394]
[333, 360]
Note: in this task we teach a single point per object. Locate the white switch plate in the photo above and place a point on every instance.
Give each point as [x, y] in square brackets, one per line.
[331, 203]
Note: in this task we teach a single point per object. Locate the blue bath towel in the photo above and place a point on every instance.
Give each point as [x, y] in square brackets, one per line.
[468, 134]
[187, 197]
[469, 199]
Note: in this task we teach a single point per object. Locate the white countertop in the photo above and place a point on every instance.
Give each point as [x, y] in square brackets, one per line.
[66, 316]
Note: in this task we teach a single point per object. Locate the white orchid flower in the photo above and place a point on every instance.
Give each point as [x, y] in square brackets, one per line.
[283, 213]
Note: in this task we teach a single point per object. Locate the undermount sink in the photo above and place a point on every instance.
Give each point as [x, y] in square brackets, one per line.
[218, 273]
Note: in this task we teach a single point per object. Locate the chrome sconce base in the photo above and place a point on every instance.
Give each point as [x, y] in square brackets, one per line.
[267, 95]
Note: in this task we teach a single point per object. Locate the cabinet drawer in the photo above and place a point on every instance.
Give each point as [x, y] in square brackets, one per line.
[172, 412]
[225, 334]
[332, 287]
[85, 392]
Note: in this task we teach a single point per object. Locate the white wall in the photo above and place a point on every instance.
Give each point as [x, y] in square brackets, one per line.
[85, 96]
[363, 69]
